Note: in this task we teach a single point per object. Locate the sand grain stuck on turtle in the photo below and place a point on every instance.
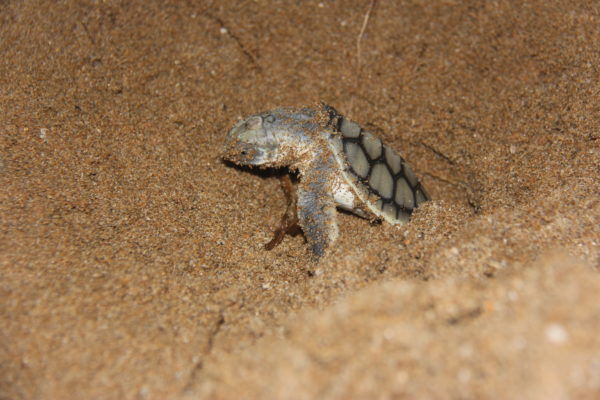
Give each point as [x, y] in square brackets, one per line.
[339, 165]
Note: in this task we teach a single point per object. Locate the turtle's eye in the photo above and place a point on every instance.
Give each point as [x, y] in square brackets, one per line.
[270, 119]
[253, 123]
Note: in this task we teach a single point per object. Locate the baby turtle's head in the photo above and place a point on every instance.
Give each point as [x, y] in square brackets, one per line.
[271, 139]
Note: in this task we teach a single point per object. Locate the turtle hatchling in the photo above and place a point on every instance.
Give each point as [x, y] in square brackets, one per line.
[338, 163]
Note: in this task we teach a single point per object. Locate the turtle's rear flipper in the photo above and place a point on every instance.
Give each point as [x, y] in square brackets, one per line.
[289, 221]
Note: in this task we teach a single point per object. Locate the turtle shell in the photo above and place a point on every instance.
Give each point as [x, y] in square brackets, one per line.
[381, 177]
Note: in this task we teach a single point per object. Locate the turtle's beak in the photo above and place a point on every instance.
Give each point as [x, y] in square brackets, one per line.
[242, 153]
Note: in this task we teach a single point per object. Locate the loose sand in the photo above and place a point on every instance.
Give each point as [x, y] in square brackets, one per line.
[131, 258]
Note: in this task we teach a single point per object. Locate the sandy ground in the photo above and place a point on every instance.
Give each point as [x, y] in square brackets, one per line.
[131, 258]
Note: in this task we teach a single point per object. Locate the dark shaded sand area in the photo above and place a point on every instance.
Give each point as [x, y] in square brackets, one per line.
[131, 258]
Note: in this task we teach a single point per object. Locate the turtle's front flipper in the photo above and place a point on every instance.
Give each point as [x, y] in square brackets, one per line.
[316, 210]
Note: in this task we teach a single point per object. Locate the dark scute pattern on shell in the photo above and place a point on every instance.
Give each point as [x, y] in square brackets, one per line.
[385, 174]
[349, 129]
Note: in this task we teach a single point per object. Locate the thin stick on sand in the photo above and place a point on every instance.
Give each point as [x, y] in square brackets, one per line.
[363, 28]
